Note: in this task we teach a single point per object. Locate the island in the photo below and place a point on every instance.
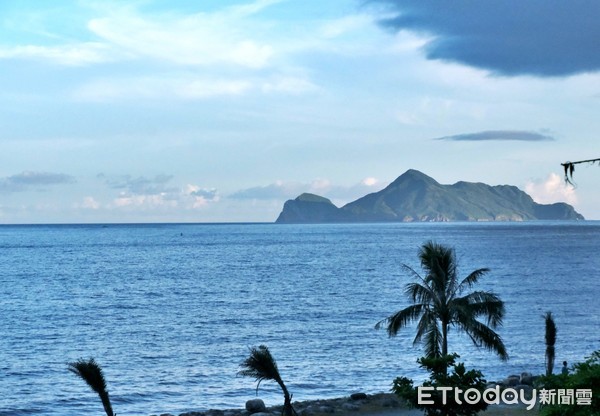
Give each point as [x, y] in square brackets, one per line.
[416, 197]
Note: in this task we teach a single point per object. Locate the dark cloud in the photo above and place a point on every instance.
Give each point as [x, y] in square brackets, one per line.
[36, 180]
[524, 136]
[533, 37]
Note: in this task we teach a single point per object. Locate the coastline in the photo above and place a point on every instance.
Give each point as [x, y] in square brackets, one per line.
[379, 404]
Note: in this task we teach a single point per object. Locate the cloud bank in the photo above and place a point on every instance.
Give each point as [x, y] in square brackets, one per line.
[152, 193]
[500, 135]
[29, 180]
[281, 190]
[551, 190]
[535, 37]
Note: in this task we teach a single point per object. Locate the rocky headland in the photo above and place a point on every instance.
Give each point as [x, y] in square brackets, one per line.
[416, 197]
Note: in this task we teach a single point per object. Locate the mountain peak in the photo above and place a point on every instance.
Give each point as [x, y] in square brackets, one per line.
[413, 175]
[308, 197]
[414, 196]
[309, 208]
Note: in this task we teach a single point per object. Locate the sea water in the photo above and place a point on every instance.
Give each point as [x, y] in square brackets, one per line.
[169, 311]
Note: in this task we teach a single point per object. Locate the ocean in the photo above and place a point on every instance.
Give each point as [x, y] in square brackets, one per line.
[170, 310]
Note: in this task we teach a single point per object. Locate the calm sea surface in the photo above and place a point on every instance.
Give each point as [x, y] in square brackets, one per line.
[169, 311]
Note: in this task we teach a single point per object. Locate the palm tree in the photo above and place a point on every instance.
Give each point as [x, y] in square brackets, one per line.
[92, 374]
[262, 366]
[550, 341]
[438, 305]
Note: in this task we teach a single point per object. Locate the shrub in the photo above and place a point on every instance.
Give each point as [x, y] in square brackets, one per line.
[585, 375]
[459, 378]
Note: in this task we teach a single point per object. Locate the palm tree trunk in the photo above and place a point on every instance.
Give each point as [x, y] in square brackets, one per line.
[288, 410]
[550, 341]
[106, 403]
[445, 343]
[549, 360]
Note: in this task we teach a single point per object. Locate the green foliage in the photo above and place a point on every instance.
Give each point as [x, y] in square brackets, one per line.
[437, 366]
[459, 378]
[585, 375]
[403, 387]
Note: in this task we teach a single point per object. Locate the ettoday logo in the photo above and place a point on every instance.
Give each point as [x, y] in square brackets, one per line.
[507, 396]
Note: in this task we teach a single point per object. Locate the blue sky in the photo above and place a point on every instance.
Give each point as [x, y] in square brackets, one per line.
[218, 111]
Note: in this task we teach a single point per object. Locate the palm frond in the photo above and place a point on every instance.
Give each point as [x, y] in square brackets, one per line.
[92, 374]
[472, 279]
[400, 319]
[260, 365]
[550, 333]
[479, 304]
[429, 251]
[429, 329]
[483, 336]
[436, 258]
[413, 272]
[419, 292]
[440, 263]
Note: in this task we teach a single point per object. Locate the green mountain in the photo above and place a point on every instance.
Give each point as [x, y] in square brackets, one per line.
[415, 196]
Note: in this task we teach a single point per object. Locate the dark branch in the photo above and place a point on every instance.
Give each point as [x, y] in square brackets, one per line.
[569, 168]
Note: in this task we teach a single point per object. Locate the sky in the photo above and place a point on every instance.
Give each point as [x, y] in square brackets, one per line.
[220, 111]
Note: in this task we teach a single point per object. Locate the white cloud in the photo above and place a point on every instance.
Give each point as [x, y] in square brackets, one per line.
[141, 185]
[159, 87]
[144, 201]
[369, 181]
[276, 190]
[552, 189]
[281, 190]
[200, 197]
[343, 25]
[320, 185]
[230, 37]
[225, 36]
[242, 10]
[89, 202]
[228, 51]
[79, 54]
[188, 87]
[149, 194]
[288, 84]
[407, 118]
[206, 88]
